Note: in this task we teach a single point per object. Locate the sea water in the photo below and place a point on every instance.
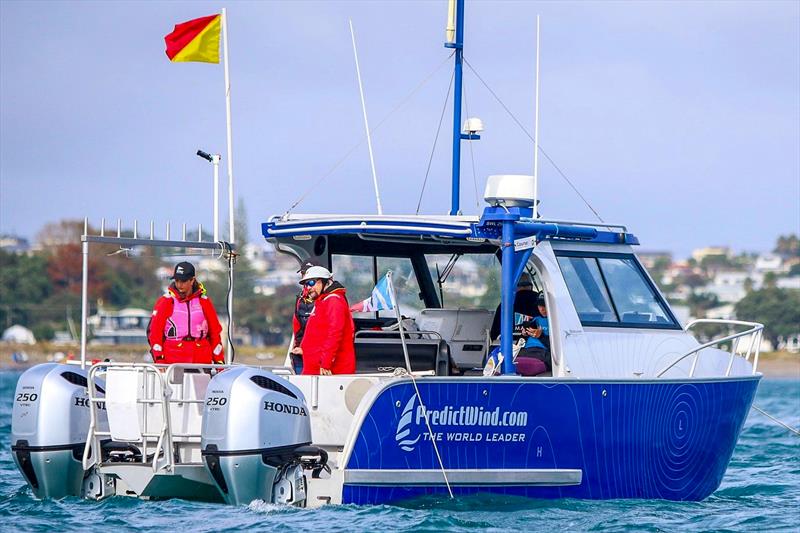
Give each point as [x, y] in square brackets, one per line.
[760, 492]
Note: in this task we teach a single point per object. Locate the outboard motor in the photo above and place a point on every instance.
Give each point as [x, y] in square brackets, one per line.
[49, 426]
[256, 438]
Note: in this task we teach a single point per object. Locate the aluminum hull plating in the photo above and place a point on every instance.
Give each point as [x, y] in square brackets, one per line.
[627, 439]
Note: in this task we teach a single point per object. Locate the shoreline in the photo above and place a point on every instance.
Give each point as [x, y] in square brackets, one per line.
[772, 365]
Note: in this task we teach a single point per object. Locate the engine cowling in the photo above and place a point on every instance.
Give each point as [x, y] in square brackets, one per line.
[255, 437]
[49, 425]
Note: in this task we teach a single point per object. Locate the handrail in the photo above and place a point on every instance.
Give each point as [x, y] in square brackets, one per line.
[164, 374]
[164, 435]
[755, 333]
[392, 332]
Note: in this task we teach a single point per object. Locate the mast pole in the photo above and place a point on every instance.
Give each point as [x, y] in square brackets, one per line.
[458, 45]
[507, 298]
[536, 133]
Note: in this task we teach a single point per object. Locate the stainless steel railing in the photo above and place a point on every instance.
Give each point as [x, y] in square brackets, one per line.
[754, 332]
[155, 390]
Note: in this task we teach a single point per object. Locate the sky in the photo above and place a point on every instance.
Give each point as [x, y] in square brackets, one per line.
[680, 120]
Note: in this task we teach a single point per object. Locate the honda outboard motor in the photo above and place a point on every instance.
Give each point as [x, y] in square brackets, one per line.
[255, 438]
[49, 425]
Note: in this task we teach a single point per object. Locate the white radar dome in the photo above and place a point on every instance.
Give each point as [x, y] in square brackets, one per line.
[510, 190]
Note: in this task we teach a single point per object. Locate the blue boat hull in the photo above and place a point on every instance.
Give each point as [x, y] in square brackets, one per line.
[625, 439]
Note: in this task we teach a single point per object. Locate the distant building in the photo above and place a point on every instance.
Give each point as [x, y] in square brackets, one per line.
[791, 343]
[792, 282]
[680, 293]
[723, 312]
[650, 258]
[14, 244]
[711, 251]
[17, 334]
[729, 286]
[678, 270]
[769, 263]
[267, 285]
[207, 264]
[260, 255]
[127, 326]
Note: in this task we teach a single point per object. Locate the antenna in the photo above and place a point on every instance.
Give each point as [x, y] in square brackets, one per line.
[536, 133]
[366, 123]
[450, 31]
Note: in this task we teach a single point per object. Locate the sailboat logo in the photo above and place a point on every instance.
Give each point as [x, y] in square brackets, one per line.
[403, 427]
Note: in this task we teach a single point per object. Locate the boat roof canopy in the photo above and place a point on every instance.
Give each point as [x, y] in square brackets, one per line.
[436, 234]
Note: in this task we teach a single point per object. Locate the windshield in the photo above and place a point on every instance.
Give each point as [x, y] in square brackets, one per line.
[466, 280]
[360, 274]
[612, 290]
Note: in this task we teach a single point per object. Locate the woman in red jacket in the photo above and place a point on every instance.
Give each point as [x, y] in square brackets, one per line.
[184, 327]
[327, 346]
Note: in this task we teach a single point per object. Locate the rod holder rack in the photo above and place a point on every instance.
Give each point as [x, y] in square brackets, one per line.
[151, 240]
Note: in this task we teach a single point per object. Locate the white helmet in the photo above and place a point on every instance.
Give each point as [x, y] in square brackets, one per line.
[316, 272]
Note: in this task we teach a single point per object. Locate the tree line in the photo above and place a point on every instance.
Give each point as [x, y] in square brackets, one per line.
[41, 290]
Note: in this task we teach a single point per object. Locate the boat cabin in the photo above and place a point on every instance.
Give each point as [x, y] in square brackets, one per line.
[607, 316]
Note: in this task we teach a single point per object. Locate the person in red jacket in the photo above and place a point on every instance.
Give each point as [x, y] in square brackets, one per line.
[327, 346]
[184, 327]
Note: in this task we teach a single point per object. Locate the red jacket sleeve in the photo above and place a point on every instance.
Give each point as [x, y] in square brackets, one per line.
[214, 327]
[334, 316]
[162, 310]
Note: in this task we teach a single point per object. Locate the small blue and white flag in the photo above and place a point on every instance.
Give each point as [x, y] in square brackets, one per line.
[380, 299]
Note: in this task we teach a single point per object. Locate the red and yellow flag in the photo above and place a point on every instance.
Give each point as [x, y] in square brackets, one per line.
[195, 40]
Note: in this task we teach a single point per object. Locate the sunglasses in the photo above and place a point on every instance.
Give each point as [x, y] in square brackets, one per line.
[310, 283]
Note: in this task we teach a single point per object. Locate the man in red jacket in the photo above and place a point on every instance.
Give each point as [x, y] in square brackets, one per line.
[184, 327]
[327, 347]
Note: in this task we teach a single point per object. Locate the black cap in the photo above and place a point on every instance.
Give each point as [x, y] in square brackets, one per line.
[540, 300]
[183, 271]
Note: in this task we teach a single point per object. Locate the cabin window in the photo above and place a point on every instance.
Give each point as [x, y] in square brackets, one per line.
[466, 280]
[613, 290]
[355, 273]
[359, 274]
[405, 284]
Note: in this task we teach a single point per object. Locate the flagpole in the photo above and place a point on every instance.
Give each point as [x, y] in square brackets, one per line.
[396, 305]
[230, 179]
[228, 123]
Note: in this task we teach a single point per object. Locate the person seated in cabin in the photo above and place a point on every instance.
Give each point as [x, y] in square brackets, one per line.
[534, 358]
[303, 307]
[184, 327]
[327, 346]
[525, 307]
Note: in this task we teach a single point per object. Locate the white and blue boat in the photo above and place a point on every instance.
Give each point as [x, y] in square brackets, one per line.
[634, 407]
